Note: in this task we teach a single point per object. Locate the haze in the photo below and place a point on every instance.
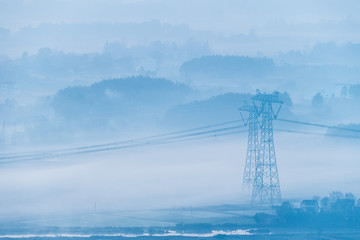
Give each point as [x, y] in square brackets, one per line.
[77, 73]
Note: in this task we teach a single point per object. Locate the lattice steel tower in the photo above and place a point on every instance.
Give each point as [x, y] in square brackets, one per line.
[266, 186]
[252, 145]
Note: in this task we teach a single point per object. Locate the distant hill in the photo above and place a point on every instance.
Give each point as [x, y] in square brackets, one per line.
[323, 54]
[126, 100]
[227, 66]
[216, 109]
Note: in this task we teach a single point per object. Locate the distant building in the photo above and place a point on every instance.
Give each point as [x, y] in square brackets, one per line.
[310, 206]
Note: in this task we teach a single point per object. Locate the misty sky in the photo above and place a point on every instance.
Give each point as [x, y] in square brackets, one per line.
[230, 16]
[293, 24]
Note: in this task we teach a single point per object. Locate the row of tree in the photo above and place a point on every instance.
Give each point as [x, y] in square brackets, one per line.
[335, 210]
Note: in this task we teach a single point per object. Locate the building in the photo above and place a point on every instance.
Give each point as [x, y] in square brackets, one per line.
[310, 206]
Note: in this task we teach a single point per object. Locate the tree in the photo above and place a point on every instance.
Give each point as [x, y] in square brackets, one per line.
[315, 197]
[325, 203]
[358, 202]
[350, 196]
[285, 212]
[318, 100]
[335, 195]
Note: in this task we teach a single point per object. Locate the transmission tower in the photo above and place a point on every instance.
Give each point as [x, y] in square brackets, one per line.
[266, 187]
[252, 145]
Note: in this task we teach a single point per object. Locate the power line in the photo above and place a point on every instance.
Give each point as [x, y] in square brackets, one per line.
[315, 133]
[131, 144]
[318, 125]
[37, 153]
[165, 138]
[156, 136]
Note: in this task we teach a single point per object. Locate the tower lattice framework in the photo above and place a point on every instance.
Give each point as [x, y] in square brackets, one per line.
[252, 145]
[261, 166]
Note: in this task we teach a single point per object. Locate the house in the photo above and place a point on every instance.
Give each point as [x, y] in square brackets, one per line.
[310, 206]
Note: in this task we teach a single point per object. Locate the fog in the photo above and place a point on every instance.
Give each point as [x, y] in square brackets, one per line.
[77, 74]
[179, 175]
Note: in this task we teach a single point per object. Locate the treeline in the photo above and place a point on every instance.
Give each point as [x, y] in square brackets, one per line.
[338, 107]
[323, 53]
[121, 105]
[335, 210]
[115, 60]
[123, 101]
[227, 66]
[220, 108]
